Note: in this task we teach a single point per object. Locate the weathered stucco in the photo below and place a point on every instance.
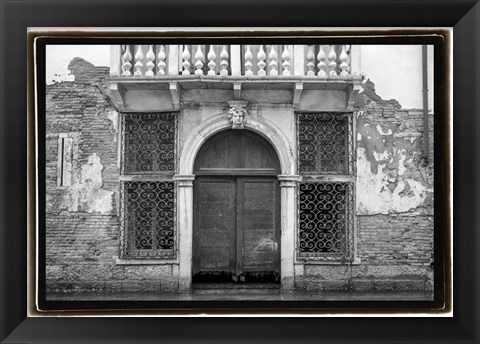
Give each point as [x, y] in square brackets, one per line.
[284, 119]
[86, 193]
[112, 115]
[327, 100]
[190, 118]
[392, 176]
[148, 100]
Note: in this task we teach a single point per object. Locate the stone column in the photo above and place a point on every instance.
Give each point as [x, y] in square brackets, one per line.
[355, 60]
[288, 185]
[185, 230]
[235, 59]
[172, 60]
[115, 61]
[299, 60]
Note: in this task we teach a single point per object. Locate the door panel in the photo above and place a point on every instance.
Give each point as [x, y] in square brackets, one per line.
[215, 217]
[258, 225]
[237, 226]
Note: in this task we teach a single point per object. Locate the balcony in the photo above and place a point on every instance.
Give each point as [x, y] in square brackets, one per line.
[232, 67]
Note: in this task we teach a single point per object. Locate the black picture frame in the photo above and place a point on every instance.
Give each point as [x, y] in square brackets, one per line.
[17, 16]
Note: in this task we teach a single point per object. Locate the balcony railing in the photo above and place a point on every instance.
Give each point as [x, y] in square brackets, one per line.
[319, 61]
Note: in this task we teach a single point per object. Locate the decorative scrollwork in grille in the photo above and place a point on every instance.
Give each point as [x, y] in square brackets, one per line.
[148, 219]
[325, 221]
[325, 143]
[148, 143]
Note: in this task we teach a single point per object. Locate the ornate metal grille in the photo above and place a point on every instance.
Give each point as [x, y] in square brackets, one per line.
[326, 221]
[325, 143]
[148, 219]
[148, 143]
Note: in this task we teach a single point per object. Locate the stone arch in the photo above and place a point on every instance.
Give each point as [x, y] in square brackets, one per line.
[185, 179]
[219, 123]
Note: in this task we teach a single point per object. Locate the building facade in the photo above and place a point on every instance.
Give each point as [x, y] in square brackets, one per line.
[179, 165]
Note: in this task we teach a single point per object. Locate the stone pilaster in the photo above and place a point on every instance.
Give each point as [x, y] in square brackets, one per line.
[185, 230]
[288, 185]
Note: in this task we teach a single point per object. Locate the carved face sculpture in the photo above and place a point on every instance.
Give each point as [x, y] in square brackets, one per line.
[237, 117]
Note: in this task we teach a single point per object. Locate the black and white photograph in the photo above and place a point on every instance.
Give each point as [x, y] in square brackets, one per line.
[280, 172]
[239, 171]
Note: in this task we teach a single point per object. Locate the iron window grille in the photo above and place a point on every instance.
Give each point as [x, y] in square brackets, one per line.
[148, 143]
[326, 199]
[148, 219]
[326, 220]
[147, 189]
[325, 143]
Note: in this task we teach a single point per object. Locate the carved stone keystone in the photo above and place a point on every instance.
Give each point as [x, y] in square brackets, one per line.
[237, 114]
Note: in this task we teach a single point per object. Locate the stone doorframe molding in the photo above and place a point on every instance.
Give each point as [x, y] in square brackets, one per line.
[288, 185]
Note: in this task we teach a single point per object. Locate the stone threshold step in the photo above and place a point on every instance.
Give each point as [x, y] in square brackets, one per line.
[235, 288]
[224, 292]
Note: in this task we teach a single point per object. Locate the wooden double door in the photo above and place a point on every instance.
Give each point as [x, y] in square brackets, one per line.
[236, 231]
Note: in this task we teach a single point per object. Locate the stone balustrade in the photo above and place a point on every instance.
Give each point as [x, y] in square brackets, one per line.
[276, 61]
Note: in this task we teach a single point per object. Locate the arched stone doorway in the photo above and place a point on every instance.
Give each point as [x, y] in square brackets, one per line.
[236, 229]
[185, 179]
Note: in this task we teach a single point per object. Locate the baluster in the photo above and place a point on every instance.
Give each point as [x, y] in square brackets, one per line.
[161, 61]
[344, 62]
[199, 58]
[261, 56]
[286, 61]
[127, 57]
[310, 61]
[248, 62]
[224, 61]
[211, 61]
[322, 65]
[332, 56]
[139, 61]
[272, 55]
[150, 65]
[186, 61]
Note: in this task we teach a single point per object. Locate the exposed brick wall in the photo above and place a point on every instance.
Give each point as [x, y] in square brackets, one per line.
[81, 239]
[82, 107]
[396, 254]
[366, 278]
[388, 239]
[82, 244]
[81, 255]
[84, 71]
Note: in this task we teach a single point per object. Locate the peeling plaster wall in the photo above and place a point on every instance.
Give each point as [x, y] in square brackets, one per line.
[81, 109]
[392, 176]
[394, 194]
[394, 191]
[86, 193]
[82, 222]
